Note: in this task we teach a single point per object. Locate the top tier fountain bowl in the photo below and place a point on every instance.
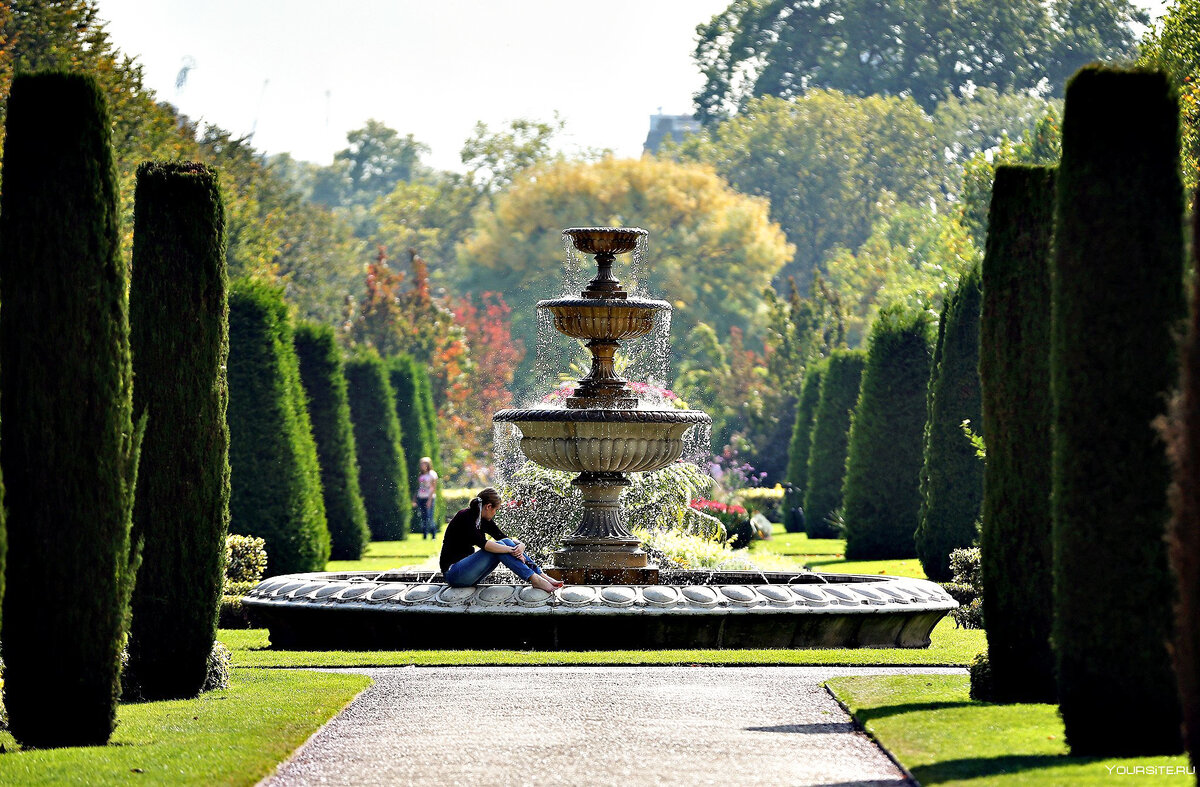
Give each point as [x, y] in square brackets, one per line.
[602, 433]
[614, 599]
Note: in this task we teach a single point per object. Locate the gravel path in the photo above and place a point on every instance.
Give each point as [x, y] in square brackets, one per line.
[595, 726]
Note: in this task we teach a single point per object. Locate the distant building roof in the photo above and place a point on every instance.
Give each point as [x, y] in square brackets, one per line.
[663, 126]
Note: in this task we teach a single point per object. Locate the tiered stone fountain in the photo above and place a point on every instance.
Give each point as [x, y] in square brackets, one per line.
[615, 598]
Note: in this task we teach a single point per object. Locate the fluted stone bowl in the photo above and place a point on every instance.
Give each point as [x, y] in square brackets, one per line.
[603, 318]
[598, 240]
[602, 441]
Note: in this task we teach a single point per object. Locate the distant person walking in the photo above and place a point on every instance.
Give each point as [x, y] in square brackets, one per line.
[463, 565]
[426, 494]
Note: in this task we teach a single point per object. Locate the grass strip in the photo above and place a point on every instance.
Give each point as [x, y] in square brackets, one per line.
[950, 647]
[382, 555]
[929, 723]
[236, 736]
[892, 568]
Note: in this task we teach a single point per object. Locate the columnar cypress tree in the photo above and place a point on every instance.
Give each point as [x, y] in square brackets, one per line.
[276, 479]
[830, 438]
[329, 409]
[429, 418]
[416, 433]
[952, 477]
[70, 448]
[180, 343]
[1183, 433]
[797, 467]
[1014, 369]
[382, 467]
[1117, 302]
[883, 463]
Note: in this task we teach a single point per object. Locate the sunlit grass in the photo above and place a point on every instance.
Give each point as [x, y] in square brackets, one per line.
[382, 555]
[943, 737]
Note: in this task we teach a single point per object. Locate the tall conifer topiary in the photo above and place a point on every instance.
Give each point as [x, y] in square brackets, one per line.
[329, 410]
[416, 433]
[179, 338]
[429, 418]
[382, 466]
[797, 467]
[883, 463]
[1117, 303]
[70, 447]
[952, 477]
[276, 479]
[1014, 369]
[830, 438]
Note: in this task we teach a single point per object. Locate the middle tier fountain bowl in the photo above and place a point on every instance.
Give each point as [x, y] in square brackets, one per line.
[615, 597]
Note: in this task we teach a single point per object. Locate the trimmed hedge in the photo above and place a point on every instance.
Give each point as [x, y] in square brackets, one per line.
[883, 464]
[1014, 369]
[429, 416]
[952, 476]
[66, 415]
[1117, 301]
[416, 432]
[329, 410]
[797, 467]
[830, 438]
[276, 479]
[382, 466]
[179, 336]
[1183, 435]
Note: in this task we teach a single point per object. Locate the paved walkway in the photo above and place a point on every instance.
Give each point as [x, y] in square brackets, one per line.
[589, 726]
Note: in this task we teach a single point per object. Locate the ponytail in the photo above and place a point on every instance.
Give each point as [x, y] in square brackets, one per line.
[487, 495]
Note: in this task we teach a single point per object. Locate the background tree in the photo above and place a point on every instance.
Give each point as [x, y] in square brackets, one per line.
[324, 383]
[883, 462]
[66, 422]
[382, 466]
[1117, 302]
[276, 478]
[1014, 370]
[1173, 46]
[830, 438]
[952, 476]
[376, 159]
[798, 449]
[925, 49]
[695, 222]
[180, 343]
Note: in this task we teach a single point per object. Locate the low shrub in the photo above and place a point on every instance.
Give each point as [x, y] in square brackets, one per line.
[217, 676]
[764, 500]
[245, 559]
[966, 588]
[683, 550]
[982, 685]
[456, 498]
[232, 614]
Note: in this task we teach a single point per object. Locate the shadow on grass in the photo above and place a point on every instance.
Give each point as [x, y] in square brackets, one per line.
[978, 767]
[808, 729]
[883, 711]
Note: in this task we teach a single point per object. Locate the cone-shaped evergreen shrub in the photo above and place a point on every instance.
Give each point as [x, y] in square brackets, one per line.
[1117, 303]
[881, 494]
[797, 467]
[329, 410]
[830, 438]
[1014, 369]
[1183, 434]
[276, 479]
[70, 447]
[416, 433]
[952, 478]
[179, 338]
[382, 467]
[429, 417]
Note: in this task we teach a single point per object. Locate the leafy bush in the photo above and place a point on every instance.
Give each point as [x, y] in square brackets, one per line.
[797, 467]
[70, 445]
[732, 517]
[966, 588]
[245, 559]
[830, 438]
[217, 673]
[1117, 302]
[883, 464]
[952, 474]
[1014, 368]
[276, 478]
[324, 383]
[180, 344]
[685, 550]
[456, 499]
[765, 500]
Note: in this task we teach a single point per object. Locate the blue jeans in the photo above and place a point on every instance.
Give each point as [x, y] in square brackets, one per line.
[428, 528]
[476, 566]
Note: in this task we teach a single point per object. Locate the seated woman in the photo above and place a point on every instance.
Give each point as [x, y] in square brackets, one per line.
[463, 565]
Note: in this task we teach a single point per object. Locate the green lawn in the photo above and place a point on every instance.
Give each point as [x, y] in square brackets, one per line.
[382, 555]
[932, 727]
[236, 736]
[950, 647]
[797, 550]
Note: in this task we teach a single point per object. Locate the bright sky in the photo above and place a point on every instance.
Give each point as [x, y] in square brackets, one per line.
[301, 73]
